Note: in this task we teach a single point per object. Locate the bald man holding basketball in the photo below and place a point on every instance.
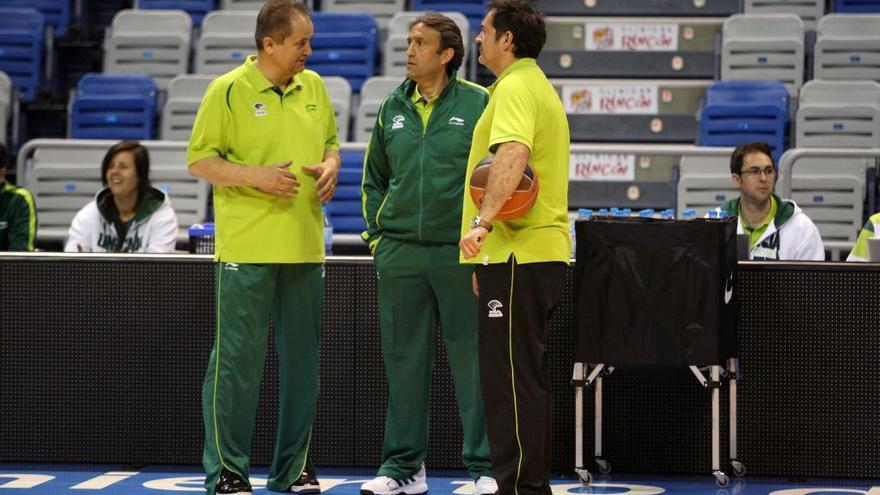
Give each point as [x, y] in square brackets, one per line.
[520, 262]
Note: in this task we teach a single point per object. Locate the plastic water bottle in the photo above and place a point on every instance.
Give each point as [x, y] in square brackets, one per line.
[717, 213]
[689, 214]
[328, 232]
[646, 213]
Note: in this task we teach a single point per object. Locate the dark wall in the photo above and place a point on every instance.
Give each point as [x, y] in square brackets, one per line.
[102, 361]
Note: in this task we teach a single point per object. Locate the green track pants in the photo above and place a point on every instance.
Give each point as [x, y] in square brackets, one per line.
[246, 296]
[419, 285]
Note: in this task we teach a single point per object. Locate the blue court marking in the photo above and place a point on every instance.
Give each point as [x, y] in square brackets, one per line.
[42, 479]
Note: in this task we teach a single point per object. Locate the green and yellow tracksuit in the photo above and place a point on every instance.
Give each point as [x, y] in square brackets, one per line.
[18, 218]
[414, 172]
[269, 253]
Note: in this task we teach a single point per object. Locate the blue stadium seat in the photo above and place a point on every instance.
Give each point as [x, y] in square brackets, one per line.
[856, 6]
[55, 12]
[197, 9]
[117, 106]
[344, 45]
[21, 49]
[474, 10]
[736, 112]
[346, 212]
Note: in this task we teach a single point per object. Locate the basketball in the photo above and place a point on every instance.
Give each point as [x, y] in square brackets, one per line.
[519, 203]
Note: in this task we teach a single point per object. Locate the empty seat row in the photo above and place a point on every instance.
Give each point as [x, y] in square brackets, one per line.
[21, 48]
[834, 114]
[157, 43]
[809, 10]
[771, 47]
[753, 46]
[723, 113]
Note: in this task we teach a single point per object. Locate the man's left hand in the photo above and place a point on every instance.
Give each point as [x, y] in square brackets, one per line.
[471, 243]
[326, 173]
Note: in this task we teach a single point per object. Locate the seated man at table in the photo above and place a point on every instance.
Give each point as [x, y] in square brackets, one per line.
[777, 228]
[871, 230]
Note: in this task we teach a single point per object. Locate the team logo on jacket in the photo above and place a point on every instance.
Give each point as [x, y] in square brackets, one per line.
[398, 122]
[495, 309]
[456, 121]
[260, 109]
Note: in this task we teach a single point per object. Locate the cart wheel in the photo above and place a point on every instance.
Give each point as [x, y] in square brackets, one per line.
[585, 476]
[721, 479]
[739, 469]
[604, 465]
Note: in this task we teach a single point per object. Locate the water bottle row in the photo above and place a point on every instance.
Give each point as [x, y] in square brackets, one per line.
[667, 214]
[201, 236]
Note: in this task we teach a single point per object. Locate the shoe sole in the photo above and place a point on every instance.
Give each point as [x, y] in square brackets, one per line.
[306, 491]
[419, 489]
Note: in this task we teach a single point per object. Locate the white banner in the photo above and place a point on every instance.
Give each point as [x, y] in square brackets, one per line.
[610, 100]
[602, 167]
[632, 37]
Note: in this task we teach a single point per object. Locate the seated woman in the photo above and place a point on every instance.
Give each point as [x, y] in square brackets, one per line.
[128, 215]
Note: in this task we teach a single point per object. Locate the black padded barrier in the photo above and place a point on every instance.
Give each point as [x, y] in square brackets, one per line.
[103, 360]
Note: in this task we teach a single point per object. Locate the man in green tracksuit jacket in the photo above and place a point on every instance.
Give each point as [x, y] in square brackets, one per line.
[18, 215]
[414, 173]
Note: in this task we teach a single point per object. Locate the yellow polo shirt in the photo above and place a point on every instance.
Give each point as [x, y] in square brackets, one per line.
[423, 106]
[244, 119]
[524, 107]
[756, 233]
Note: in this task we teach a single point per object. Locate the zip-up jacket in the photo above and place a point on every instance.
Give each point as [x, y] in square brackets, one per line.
[413, 175]
[871, 230]
[18, 218]
[790, 236]
[152, 230]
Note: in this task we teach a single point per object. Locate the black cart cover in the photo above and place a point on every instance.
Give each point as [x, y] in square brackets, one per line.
[656, 292]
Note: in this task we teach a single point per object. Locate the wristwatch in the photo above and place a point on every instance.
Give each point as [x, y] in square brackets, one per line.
[479, 222]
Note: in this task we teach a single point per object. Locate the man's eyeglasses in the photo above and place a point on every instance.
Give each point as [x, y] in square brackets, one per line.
[754, 172]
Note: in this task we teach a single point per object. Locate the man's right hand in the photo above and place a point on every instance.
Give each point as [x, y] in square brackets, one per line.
[277, 180]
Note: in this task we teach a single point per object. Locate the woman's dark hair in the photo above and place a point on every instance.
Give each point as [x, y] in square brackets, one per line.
[141, 163]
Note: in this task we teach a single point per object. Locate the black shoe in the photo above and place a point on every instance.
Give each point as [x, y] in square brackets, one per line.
[232, 484]
[307, 482]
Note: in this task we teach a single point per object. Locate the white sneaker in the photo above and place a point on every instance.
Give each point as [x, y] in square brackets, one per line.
[485, 486]
[416, 484]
